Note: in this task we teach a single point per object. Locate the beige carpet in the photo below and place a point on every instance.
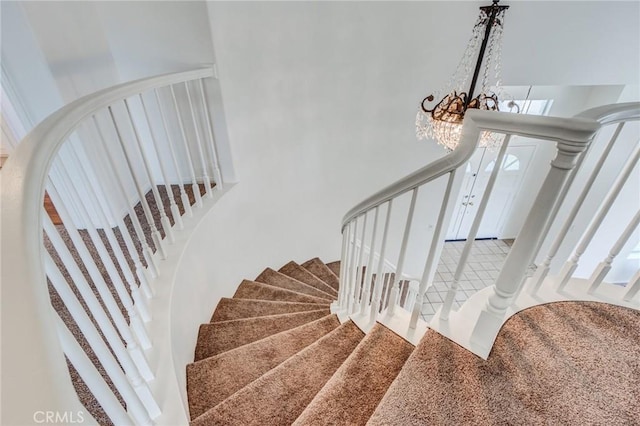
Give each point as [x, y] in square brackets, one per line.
[274, 278]
[355, 390]
[318, 268]
[296, 271]
[272, 357]
[232, 309]
[570, 363]
[215, 338]
[213, 379]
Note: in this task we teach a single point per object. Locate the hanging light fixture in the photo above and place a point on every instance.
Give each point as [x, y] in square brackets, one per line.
[443, 121]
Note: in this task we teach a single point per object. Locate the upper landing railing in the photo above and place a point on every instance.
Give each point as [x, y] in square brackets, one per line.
[367, 299]
[121, 167]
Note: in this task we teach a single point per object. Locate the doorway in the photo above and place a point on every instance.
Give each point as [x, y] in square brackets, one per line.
[476, 177]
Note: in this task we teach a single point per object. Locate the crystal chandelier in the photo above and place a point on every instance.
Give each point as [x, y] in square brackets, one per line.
[443, 121]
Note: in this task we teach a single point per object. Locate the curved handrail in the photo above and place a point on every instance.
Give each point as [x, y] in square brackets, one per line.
[568, 130]
[615, 113]
[25, 297]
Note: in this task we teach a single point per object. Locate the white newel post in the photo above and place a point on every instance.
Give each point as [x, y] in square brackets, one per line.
[507, 285]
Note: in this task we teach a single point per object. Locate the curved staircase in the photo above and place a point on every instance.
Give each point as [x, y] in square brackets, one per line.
[275, 355]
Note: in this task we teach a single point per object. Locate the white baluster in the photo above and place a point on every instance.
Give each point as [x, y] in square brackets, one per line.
[203, 162]
[186, 204]
[366, 292]
[212, 141]
[140, 303]
[543, 269]
[359, 271]
[104, 254]
[437, 237]
[164, 220]
[133, 350]
[96, 384]
[352, 265]
[634, 287]
[175, 212]
[155, 235]
[604, 267]
[571, 265]
[346, 236]
[395, 289]
[194, 184]
[473, 232]
[377, 291]
[146, 250]
[507, 285]
[99, 347]
[410, 299]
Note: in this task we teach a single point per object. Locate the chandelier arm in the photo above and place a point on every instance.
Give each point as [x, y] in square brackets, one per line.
[492, 17]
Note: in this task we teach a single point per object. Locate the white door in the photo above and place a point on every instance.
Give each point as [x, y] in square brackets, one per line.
[477, 173]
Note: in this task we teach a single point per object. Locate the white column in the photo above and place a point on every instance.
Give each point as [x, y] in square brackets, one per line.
[186, 204]
[164, 220]
[604, 267]
[140, 303]
[377, 290]
[355, 303]
[507, 285]
[133, 350]
[146, 250]
[634, 287]
[96, 384]
[473, 232]
[89, 332]
[185, 143]
[571, 265]
[431, 258]
[212, 141]
[395, 284]
[352, 266]
[203, 162]
[346, 236]
[543, 270]
[366, 291]
[175, 212]
[155, 235]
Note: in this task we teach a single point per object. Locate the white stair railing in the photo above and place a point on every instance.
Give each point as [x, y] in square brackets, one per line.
[544, 284]
[103, 256]
[572, 137]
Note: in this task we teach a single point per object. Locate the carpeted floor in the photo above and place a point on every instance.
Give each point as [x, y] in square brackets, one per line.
[562, 363]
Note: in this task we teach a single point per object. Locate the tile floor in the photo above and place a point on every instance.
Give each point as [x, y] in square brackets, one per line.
[485, 261]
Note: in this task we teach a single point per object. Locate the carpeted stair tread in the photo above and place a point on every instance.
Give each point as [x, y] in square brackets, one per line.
[296, 271]
[354, 391]
[253, 290]
[213, 379]
[335, 267]
[322, 271]
[279, 396]
[232, 309]
[276, 279]
[560, 363]
[218, 337]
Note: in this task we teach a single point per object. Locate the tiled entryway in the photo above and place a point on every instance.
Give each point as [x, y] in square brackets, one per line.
[485, 261]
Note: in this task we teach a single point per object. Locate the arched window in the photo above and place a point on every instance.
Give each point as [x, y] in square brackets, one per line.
[510, 164]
